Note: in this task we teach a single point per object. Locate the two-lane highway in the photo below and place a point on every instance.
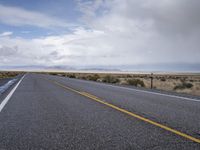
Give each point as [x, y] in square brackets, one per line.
[51, 112]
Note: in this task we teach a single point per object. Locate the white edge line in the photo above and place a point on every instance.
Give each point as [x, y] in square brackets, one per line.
[4, 102]
[155, 93]
[149, 92]
[161, 94]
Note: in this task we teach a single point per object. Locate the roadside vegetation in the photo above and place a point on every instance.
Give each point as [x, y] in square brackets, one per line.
[4, 74]
[110, 79]
[182, 83]
[136, 82]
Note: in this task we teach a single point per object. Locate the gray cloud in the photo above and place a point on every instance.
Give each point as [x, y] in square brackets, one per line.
[132, 32]
[151, 31]
[174, 17]
[50, 57]
[8, 51]
[179, 17]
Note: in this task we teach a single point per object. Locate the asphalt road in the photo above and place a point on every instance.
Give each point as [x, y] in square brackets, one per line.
[51, 112]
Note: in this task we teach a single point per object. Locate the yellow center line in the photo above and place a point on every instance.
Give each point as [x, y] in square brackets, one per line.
[92, 97]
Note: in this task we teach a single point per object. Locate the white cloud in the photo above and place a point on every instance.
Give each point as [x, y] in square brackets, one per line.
[134, 28]
[16, 16]
[50, 50]
[8, 33]
[118, 33]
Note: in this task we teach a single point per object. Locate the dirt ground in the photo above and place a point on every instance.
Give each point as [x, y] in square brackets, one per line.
[183, 83]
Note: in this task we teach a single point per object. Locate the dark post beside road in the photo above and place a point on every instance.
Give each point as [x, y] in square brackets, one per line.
[151, 80]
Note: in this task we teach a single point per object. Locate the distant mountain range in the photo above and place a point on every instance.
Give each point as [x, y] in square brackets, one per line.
[55, 68]
[119, 68]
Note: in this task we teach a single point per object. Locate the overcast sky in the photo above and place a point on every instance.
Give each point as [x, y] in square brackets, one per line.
[99, 32]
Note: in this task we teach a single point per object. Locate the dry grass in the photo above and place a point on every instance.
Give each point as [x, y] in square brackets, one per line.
[5, 74]
[167, 82]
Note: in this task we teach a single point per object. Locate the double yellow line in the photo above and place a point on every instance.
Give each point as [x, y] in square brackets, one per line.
[92, 97]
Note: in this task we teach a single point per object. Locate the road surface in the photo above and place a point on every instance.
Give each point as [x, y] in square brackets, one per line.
[51, 112]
